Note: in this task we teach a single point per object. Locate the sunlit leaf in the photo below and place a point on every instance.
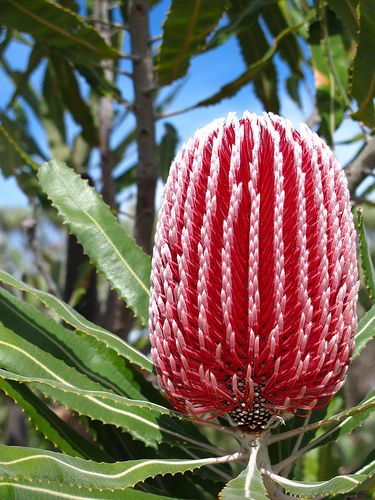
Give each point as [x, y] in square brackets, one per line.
[253, 44]
[109, 247]
[363, 76]
[48, 471]
[59, 433]
[73, 318]
[337, 485]
[365, 331]
[186, 27]
[367, 266]
[85, 353]
[249, 484]
[167, 149]
[50, 23]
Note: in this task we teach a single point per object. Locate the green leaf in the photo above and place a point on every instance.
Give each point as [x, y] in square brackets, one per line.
[86, 354]
[365, 331]
[38, 490]
[249, 484]
[366, 407]
[342, 423]
[240, 21]
[253, 45]
[64, 80]
[292, 85]
[363, 75]
[337, 485]
[289, 49]
[147, 422]
[330, 65]
[36, 55]
[347, 11]
[120, 149]
[127, 178]
[57, 26]
[44, 468]
[73, 318]
[61, 435]
[12, 152]
[230, 89]
[53, 111]
[167, 149]
[367, 266]
[109, 247]
[185, 31]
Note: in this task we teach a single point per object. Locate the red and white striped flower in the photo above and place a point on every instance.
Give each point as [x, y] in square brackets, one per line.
[254, 274]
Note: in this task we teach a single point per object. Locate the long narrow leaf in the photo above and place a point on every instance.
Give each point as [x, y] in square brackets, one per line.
[365, 331]
[109, 247]
[230, 89]
[365, 256]
[50, 23]
[39, 489]
[185, 30]
[48, 466]
[61, 435]
[249, 484]
[85, 353]
[335, 486]
[73, 318]
[363, 79]
[148, 422]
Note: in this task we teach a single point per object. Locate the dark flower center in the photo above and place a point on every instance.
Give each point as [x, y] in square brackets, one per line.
[252, 421]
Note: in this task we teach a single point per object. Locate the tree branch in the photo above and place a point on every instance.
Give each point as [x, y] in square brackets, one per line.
[359, 168]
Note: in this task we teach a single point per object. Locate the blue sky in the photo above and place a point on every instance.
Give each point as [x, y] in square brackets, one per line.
[206, 75]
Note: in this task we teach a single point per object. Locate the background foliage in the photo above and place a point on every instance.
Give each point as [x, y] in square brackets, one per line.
[73, 344]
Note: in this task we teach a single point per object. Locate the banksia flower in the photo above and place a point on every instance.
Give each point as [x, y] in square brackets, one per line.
[254, 275]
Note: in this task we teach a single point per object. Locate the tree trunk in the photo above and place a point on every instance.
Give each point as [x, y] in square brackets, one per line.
[144, 85]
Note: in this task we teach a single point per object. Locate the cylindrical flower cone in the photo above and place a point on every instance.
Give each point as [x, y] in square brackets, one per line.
[254, 274]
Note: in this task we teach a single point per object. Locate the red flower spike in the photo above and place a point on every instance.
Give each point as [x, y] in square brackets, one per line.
[254, 274]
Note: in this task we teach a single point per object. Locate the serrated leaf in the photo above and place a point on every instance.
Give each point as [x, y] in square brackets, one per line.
[147, 422]
[249, 484]
[127, 178]
[363, 74]
[65, 81]
[230, 89]
[38, 489]
[347, 11]
[185, 30]
[12, 154]
[289, 49]
[86, 354]
[337, 485]
[253, 44]
[61, 435]
[73, 318]
[292, 85]
[52, 114]
[240, 21]
[365, 331]
[141, 420]
[367, 266]
[36, 55]
[167, 149]
[330, 65]
[109, 247]
[341, 423]
[57, 26]
[45, 467]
